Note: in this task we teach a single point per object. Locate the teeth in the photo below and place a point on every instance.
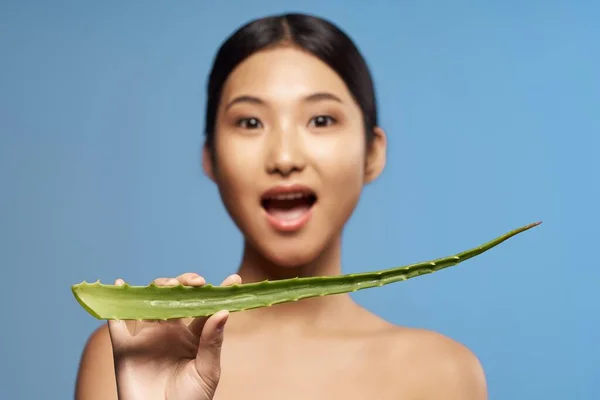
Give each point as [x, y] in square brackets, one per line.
[289, 196]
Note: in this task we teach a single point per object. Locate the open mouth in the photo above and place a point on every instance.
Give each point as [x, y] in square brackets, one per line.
[288, 208]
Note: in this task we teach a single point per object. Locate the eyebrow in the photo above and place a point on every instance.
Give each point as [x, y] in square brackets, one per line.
[322, 96]
[312, 98]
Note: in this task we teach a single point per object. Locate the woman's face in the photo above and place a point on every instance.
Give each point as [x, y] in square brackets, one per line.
[291, 156]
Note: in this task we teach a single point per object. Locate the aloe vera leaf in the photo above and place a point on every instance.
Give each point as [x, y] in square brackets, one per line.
[166, 302]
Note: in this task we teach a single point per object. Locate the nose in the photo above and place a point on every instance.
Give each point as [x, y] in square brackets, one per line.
[285, 154]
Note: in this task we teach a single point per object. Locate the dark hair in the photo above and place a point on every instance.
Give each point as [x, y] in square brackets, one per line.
[312, 34]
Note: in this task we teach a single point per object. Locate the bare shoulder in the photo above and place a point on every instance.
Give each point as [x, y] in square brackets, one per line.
[96, 376]
[429, 365]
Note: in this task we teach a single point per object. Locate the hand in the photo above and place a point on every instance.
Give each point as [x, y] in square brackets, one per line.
[169, 359]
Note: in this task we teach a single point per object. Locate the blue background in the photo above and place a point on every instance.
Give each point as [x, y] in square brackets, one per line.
[492, 111]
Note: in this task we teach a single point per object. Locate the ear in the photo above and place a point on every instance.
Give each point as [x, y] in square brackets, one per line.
[207, 162]
[376, 155]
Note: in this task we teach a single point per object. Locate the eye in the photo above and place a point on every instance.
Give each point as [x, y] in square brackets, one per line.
[322, 121]
[249, 123]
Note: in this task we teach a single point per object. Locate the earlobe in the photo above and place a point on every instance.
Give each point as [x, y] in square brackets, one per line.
[207, 162]
[376, 155]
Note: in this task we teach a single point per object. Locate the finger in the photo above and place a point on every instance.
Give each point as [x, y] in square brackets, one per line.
[231, 280]
[118, 328]
[208, 359]
[197, 324]
[166, 282]
[191, 279]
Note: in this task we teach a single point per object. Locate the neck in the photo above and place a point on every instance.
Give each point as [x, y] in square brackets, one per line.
[255, 268]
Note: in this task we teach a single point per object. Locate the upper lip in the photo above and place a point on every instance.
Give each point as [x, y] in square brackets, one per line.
[289, 189]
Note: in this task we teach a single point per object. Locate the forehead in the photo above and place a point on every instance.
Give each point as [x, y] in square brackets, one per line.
[283, 73]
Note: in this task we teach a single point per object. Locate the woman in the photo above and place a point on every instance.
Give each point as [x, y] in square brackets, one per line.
[291, 139]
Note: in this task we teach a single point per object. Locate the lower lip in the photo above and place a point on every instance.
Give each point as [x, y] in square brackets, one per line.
[290, 225]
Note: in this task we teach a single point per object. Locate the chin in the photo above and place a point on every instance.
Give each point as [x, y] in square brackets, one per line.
[291, 260]
[290, 252]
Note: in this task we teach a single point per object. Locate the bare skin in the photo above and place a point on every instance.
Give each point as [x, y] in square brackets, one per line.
[321, 348]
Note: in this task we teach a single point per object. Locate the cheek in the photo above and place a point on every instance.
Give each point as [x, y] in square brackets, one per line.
[342, 173]
[236, 172]
[341, 160]
[237, 162]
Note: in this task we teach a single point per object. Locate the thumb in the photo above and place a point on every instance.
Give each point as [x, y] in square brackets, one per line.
[208, 359]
